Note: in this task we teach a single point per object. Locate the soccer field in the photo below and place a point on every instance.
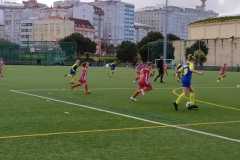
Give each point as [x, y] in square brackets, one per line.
[41, 119]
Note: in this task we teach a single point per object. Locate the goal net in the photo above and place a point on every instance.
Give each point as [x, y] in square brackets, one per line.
[170, 62]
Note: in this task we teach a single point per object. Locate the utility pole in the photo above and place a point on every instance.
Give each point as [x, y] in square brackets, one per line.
[165, 32]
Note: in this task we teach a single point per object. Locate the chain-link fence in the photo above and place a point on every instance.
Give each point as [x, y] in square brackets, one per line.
[36, 53]
[218, 51]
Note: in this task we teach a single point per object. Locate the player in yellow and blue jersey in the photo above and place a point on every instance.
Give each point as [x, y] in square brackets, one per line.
[186, 79]
[73, 71]
[178, 72]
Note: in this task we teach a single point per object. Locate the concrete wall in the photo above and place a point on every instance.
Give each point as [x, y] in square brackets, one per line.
[220, 51]
[214, 30]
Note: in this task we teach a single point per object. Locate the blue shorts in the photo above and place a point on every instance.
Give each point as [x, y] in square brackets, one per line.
[72, 72]
[186, 83]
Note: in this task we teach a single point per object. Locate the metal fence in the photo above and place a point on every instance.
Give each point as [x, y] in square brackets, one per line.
[220, 51]
[37, 53]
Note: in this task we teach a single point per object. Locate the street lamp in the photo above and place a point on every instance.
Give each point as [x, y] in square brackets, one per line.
[165, 32]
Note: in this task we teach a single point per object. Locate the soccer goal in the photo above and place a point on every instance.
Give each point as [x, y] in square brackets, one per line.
[170, 62]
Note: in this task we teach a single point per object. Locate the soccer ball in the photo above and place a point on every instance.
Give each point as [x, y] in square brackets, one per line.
[238, 86]
[188, 104]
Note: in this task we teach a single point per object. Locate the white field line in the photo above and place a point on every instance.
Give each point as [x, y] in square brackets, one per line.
[105, 89]
[129, 116]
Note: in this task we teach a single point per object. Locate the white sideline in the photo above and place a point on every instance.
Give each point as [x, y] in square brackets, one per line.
[105, 89]
[128, 116]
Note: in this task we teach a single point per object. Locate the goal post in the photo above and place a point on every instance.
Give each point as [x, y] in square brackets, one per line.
[170, 62]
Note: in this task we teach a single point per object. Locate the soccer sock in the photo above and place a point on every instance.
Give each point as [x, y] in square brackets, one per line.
[86, 90]
[75, 86]
[72, 79]
[179, 99]
[222, 78]
[192, 98]
[136, 94]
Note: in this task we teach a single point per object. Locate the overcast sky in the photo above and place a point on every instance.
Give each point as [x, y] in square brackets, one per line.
[221, 6]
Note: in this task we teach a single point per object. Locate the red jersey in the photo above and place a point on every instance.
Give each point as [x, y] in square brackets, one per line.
[165, 66]
[139, 67]
[223, 70]
[83, 76]
[145, 75]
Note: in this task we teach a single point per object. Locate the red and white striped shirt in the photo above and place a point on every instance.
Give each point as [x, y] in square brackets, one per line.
[223, 69]
[145, 75]
[139, 67]
[84, 72]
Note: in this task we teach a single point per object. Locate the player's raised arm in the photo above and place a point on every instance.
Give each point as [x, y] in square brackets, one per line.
[191, 61]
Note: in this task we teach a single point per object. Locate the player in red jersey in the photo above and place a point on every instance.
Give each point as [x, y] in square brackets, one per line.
[222, 73]
[1, 67]
[138, 69]
[165, 68]
[144, 84]
[83, 79]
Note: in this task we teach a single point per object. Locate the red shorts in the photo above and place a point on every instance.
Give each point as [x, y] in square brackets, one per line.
[144, 85]
[83, 82]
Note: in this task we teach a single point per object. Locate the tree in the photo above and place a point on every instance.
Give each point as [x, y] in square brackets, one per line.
[9, 51]
[77, 44]
[173, 37]
[200, 50]
[108, 49]
[8, 44]
[151, 36]
[127, 52]
[153, 50]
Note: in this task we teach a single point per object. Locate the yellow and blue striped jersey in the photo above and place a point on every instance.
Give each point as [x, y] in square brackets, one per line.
[74, 67]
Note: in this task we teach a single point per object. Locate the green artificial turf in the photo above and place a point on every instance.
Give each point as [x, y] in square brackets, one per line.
[109, 136]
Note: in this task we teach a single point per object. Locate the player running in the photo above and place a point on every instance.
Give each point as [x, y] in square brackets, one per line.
[165, 68]
[73, 72]
[222, 73]
[112, 69]
[187, 71]
[138, 69]
[83, 79]
[178, 72]
[144, 84]
[160, 67]
[1, 68]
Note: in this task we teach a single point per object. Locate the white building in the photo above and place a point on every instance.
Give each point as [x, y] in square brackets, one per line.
[26, 32]
[2, 31]
[15, 15]
[118, 21]
[1, 17]
[93, 14]
[11, 20]
[65, 3]
[178, 18]
[141, 30]
[59, 12]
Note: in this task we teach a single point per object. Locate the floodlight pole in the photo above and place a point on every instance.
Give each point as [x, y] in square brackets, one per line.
[165, 32]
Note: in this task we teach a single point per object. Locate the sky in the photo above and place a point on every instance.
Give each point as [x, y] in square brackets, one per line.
[224, 7]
